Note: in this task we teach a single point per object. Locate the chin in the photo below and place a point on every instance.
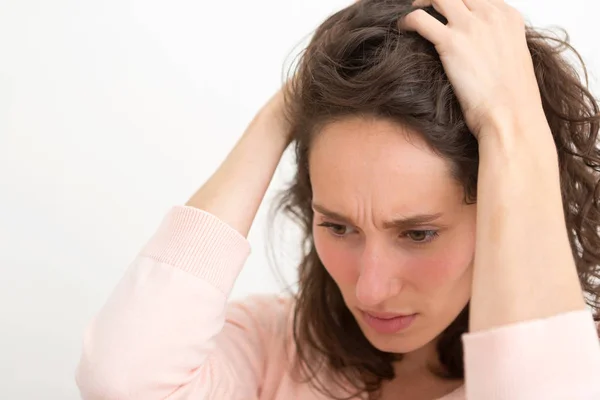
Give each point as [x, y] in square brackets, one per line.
[401, 343]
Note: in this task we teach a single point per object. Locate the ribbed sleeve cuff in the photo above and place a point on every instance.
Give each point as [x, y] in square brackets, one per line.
[556, 356]
[201, 244]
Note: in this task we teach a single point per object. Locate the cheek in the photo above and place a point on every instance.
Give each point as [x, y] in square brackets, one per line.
[339, 260]
[436, 271]
[445, 268]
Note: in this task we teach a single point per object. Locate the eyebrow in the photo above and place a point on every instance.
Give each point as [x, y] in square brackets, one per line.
[401, 223]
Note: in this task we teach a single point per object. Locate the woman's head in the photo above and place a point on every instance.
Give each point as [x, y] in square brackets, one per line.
[385, 191]
[392, 229]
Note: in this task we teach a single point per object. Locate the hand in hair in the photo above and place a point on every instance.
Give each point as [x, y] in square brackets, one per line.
[485, 55]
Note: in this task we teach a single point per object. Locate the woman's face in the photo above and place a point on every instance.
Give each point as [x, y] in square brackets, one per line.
[392, 230]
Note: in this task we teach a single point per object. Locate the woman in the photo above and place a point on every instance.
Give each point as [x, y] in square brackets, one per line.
[448, 187]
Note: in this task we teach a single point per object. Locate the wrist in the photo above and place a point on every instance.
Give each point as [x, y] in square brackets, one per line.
[507, 135]
[501, 116]
[270, 129]
[273, 114]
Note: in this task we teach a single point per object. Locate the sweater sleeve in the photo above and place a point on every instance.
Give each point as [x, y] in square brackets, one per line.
[552, 358]
[166, 331]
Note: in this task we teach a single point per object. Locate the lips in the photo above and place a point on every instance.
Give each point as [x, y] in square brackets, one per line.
[387, 323]
[386, 315]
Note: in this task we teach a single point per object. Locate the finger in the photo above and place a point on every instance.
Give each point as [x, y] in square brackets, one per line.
[476, 5]
[454, 10]
[425, 25]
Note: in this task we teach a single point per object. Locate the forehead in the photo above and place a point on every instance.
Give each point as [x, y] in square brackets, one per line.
[379, 159]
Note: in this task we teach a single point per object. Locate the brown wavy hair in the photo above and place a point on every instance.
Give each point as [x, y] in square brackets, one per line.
[358, 63]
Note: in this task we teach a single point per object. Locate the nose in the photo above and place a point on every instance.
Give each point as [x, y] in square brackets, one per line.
[380, 275]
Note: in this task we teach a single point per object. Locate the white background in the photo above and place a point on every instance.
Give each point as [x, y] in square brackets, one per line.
[110, 113]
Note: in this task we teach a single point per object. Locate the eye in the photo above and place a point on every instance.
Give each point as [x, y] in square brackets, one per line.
[337, 229]
[421, 236]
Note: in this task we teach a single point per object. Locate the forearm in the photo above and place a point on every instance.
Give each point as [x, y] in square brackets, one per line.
[153, 336]
[234, 192]
[523, 268]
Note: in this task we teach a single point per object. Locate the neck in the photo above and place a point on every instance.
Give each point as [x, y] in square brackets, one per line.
[422, 360]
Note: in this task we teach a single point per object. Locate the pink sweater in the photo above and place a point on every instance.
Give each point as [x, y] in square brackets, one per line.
[168, 332]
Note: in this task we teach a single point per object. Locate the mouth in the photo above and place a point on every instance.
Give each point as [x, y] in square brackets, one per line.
[386, 323]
